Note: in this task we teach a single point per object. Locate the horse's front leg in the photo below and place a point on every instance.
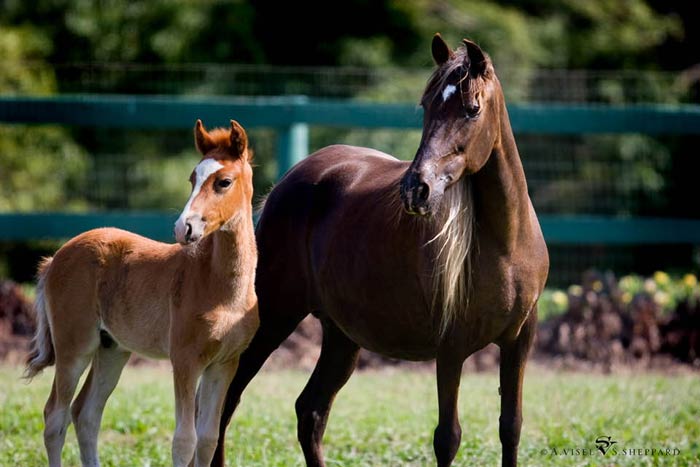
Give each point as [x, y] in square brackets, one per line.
[448, 432]
[513, 356]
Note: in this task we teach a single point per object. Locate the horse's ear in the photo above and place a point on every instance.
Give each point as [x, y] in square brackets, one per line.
[441, 51]
[202, 141]
[239, 139]
[477, 61]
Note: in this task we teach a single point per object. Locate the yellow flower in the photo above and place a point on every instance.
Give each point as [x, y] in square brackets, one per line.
[576, 290]
[626, 298]
[626, 282]
[661, 278]
[690, 280]
[560, 299]
[597, 286]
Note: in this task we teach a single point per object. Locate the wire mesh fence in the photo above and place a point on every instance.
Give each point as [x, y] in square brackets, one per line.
[387, 84]
[617, 175]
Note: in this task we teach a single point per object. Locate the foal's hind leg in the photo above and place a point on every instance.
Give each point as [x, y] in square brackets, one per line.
[334, 367]
[89, 405]
[57, 409]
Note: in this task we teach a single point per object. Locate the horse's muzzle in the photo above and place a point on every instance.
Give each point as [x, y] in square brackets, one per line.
[415, 195]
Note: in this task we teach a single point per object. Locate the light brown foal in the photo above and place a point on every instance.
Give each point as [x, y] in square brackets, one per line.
[107, 293]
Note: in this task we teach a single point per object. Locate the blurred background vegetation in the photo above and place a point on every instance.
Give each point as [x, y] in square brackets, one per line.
[597, 51]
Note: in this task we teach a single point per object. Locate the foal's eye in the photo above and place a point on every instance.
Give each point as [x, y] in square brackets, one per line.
[223, 183]
[472, 111]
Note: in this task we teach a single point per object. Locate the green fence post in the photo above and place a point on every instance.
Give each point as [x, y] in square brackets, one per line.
[292, 146]
[293, 139]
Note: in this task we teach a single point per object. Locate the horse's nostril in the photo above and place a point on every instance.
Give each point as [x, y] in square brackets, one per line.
[422, 191]
[188, 232]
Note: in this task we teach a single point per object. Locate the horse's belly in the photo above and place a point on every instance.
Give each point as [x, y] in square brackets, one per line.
[393, 328]
[374, 294]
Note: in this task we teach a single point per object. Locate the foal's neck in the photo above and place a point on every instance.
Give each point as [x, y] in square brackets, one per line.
[501, 197]
[230, 257]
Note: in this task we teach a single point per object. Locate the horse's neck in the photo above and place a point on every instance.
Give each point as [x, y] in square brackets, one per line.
[501, 197]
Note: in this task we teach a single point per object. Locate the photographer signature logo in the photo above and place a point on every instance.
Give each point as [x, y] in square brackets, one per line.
[608, 447]
[604, 443]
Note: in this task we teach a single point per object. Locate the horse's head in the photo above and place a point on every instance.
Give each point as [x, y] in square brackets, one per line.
[222, 183]
[460, 124]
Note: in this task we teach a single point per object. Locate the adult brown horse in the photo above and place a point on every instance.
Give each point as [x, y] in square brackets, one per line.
[460, 266]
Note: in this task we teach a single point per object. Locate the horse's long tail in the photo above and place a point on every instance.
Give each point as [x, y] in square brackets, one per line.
[42, 353]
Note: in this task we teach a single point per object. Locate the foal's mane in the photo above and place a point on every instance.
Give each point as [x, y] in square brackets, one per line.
[221, 137]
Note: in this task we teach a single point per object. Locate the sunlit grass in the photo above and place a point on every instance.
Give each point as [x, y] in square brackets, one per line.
[383, 418]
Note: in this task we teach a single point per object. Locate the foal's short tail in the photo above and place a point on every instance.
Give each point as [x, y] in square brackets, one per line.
[42, 353]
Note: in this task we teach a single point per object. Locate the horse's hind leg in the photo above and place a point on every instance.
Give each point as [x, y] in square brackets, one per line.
[333, 369]
[88, 407]
[57, 409]
[513, 357]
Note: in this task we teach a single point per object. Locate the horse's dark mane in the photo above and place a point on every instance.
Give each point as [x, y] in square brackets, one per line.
[470, 81]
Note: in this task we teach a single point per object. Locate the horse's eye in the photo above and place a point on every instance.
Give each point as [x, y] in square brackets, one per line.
[223, 183]
[472, 111]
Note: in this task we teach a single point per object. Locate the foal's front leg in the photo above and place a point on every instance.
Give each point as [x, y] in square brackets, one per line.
[185, 376]
[210, 399]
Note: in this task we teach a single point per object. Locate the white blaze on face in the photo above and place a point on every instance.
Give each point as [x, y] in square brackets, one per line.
[201, 173]
[448, 91]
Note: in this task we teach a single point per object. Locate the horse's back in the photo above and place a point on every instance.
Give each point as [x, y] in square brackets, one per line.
[345, 162]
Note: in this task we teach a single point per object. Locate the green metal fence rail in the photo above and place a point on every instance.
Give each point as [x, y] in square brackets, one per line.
[291, 117]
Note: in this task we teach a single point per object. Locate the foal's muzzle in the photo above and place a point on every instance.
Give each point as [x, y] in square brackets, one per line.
[189, 230]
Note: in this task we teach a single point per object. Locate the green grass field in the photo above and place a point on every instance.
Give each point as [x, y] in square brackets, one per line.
[382, 418]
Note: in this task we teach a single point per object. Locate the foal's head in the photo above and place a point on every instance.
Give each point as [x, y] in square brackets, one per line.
[461, 106]
[222, 183]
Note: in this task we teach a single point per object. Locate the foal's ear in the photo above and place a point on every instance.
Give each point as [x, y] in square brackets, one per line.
[477, 61]
[441, 51]
[239, 139]
[202, 141]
